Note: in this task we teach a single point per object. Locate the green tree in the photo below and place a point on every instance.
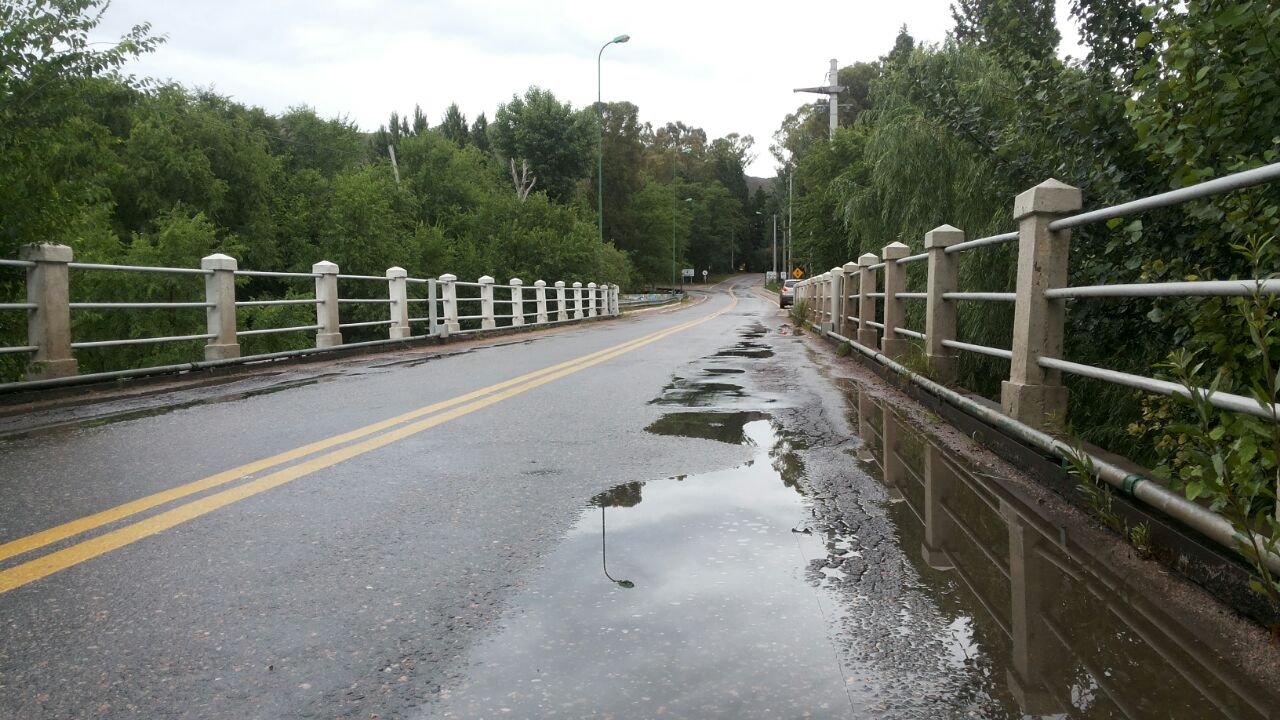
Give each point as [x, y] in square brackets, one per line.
[551, 135]
[454, 126]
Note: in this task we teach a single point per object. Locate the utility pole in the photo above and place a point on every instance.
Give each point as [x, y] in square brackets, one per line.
[789, 238]
[776, 276]
[832, 90]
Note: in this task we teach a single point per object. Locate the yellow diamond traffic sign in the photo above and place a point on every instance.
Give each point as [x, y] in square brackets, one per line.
[797, 273]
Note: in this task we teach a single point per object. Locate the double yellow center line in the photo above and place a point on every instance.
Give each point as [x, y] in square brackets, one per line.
[398, 427]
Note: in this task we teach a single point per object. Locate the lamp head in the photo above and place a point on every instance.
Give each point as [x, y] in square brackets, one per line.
[621, 38]
[625, 584]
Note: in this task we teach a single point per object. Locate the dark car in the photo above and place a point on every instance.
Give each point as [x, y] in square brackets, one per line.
[786, 293]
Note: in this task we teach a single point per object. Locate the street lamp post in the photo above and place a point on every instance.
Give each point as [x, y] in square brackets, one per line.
[600, 140]
[673, 245]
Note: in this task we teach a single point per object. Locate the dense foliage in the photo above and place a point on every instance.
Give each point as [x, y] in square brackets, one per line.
[129, 171]
[1170, 94]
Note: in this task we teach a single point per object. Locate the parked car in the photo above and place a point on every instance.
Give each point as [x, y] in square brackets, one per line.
[786, 293]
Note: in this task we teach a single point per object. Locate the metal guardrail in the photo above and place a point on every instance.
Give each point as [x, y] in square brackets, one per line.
[51, 345]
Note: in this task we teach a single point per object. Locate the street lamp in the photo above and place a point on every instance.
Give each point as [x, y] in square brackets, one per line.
[673, 246]
[600, 140]
[604, 557]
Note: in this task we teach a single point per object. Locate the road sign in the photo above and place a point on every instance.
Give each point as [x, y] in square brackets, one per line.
[797, 273]
[770, 276]
[704, 276]
[687, 272]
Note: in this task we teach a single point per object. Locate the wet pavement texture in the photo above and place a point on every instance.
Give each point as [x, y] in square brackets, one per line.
[734, 532]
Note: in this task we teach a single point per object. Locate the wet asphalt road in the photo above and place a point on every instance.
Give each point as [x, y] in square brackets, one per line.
[773, 546]
[354, 589]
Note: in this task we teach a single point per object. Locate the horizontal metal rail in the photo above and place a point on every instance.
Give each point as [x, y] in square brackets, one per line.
[1235, 181]
[138, 268]
[419, 319]
[877, 266]
[18, 349]
[363, 301]
[370, 323]
[18, 306]
[993, 296]
[267, 303]
[417, 281]
[363, 277]
[992, 240]
[273, 331]
[909, 333]
[1001, 564]
[973, 590]
[1222, 400]
[273, 274]
[470, 317]
[979, 349]
[1199, 288]
[875, 294]
[876, 325]
[912, 295]
[17, 263]
[139, 341]
[136, 305]
[418, 300]
[912, 258]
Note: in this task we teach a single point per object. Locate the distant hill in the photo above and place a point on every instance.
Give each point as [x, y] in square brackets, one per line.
[757, 182]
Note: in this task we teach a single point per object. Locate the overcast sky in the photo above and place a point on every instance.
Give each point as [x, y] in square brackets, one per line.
[724, 67]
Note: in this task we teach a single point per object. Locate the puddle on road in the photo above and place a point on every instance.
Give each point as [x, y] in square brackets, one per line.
[726, 427]
[1034, 623]
[680, 597]
[693, 393]
[747, 349]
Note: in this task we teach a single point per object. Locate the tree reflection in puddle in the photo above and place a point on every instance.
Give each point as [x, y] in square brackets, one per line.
[720, 621]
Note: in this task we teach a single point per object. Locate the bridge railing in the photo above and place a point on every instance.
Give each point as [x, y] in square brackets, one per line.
[432, 308]
[1034, 397]
[1034, 394]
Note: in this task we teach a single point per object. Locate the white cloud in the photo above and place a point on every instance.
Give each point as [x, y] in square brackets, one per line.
[726, 67]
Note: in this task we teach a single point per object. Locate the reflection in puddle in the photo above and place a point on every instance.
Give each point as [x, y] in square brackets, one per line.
[747, 350]
[726, 427]
[1044, 627]
[691, 393]
[719, 620]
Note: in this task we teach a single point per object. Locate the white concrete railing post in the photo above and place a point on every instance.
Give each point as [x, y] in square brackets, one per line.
[577, 301]
[540, 298]
[895, 281]
[1031, 595]
[398, 295]
[562, 312]
[517, 302]
[1033, 395]
[49, 324]
[486, 303]
[220, 316]
[837, 302]
[591, 299]
[329, 334]
[449, 298]
[940, 313]
[866, 304]
[614, 294]
[848, 276]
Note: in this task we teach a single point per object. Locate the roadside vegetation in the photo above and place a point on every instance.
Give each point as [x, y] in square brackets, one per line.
[130, 170]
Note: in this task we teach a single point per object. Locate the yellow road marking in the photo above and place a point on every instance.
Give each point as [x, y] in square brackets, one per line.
[46, 565]
[133, 507]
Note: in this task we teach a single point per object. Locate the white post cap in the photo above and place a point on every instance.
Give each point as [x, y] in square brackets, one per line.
[559, 283]
[448, 277]
[516, 281]
[397, 272]
[218, 261]
[324, 267]
[894, 251]
[485, 280]
[868, 259]
[577, 284]
[539, 283]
